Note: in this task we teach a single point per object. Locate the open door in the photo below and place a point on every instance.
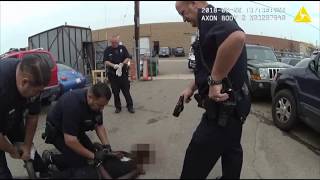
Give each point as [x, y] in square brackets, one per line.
[88, 57]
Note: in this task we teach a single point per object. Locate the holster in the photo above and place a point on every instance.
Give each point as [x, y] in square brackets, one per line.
[243, 105]
[220, 112]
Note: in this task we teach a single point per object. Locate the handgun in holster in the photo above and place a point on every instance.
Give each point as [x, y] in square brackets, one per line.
[219, 110]
[179, 107]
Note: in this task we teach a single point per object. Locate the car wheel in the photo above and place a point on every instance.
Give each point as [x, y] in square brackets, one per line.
[189, 65]
[284, 110]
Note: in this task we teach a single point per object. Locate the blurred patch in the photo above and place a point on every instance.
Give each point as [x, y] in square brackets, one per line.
[144, 153]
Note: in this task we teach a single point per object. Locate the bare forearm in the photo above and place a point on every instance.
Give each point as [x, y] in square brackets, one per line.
[126, 61]
[102, 134]
[31, 127]
[193, 86]
[5, 144]
[227, 55]
[108, 63]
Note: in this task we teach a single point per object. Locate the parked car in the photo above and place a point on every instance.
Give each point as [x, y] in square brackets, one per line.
[295, 95]
[179, 52]
[191, 59]
[52, 90]
[315, 53]
[164, 52]
[69, 79]
[291, 61]
[262, 67]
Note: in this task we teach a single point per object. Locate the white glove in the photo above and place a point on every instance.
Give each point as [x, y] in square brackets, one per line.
[116, 66]
[119, 72]
[121, 65]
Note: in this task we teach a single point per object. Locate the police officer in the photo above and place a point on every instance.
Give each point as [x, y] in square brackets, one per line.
[75, 113]
[220, 58]
[21, 82]
[116, 58]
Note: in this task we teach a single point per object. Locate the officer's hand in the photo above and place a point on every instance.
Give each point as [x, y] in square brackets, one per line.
[187, 93]
[121, 65]
[107, 148]
[215, 93]
[15, 154]
[25, 152]
[119, 72]
[99, 156]
[116, 66]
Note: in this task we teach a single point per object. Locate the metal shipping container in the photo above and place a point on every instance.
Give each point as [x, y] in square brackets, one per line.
[70, 45]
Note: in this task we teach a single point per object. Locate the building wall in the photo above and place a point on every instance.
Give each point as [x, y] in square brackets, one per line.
[168, 34]
[178, 34]
[306, 48]
[276, 43]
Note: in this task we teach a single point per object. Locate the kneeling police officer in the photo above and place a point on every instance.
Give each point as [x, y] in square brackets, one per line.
[75, 113]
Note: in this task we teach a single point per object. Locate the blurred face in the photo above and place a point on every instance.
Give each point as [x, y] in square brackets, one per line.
[96, 104]
[188, 11]
[114, 42]
[26, 85]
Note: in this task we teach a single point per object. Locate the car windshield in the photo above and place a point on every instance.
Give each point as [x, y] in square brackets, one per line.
[180, 49]
[164, 49]
[260, 54]
[303, 63]
[62, 67]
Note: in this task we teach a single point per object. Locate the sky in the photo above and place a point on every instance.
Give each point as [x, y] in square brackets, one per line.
[19, 20]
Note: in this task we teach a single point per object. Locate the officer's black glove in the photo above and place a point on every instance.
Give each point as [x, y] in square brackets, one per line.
[107, 148]
[99, 156]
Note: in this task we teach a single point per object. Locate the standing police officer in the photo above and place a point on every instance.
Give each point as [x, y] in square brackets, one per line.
[220, 58]
[116, 58]
[75, 113]
[21, 82]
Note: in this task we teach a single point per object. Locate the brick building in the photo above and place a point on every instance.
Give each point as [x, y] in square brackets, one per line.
[180, 34]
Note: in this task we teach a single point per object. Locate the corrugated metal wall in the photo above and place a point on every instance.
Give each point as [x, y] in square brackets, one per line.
[66, 45]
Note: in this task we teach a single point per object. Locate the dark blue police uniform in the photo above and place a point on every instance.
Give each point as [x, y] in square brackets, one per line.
[12, 108]
[116, 56]
[71, 115]
[211, 141]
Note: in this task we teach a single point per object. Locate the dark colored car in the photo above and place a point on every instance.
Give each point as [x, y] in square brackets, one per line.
[164, 52]
[179, 52]
[52, 90]
[69, 79]
[296, 95]
[262, 67]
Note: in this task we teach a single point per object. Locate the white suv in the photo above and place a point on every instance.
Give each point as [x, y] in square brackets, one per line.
[191, 59]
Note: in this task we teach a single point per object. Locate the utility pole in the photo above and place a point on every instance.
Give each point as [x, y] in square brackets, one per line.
[137, 35]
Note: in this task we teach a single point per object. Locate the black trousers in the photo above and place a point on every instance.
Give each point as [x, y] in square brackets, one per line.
[120, 83]
[208, 144]
[68, 157]
[16, 134]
